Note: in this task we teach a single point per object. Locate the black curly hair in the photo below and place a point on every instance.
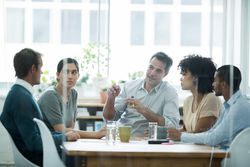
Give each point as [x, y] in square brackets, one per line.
[201, 67]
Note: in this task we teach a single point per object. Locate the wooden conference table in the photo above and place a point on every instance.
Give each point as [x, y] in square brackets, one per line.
[138, 153]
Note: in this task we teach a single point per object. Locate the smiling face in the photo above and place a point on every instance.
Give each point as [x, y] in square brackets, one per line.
[155, 72]
[68, 75]
[187, 80]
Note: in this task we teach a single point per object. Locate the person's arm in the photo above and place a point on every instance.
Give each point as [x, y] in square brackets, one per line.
[24, 112]
[151, 116]
[147, 112]
[171, 112]
[27, 110]
[198, 138]
[225, 129]
[208, 113]
[109, 110]
[183, 129]
[92, 135]
[82, 134]
[205, 123]
[170, 116]
[51, 108]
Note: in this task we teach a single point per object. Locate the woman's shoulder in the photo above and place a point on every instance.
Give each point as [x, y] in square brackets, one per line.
[74, 92]
[188, 99]
[49, 93]
[212, 97]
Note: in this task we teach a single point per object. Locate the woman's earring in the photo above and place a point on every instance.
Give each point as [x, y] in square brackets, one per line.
[195, 81]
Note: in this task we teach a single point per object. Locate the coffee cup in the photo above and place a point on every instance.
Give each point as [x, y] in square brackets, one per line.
[124, 133]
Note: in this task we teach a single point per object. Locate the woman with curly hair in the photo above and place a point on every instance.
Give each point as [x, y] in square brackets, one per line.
[201, 109]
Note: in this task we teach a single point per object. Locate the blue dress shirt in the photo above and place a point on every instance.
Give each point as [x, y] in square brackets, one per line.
[162, 100]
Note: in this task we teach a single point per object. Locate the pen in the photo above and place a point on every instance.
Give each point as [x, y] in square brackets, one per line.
[167, 143]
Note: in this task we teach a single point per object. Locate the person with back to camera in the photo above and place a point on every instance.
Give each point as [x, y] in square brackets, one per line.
[235, 114]
[20, 108]
[201, 109]
[59, 103]
[145, 100]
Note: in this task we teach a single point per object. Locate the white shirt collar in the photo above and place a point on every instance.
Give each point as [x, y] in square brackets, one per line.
[25, 84]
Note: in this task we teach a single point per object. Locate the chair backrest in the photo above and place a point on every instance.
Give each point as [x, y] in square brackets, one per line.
[6, 153]
[50, 154]
[239, 150]
[19, 159]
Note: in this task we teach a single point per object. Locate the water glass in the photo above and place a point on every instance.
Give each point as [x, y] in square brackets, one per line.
[111, 132]
[152, 130]
[162, 132]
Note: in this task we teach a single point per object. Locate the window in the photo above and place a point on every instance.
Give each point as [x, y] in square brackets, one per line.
[98, 28]
[137, 1]
[71, 26]
[162, 28]
[14, 19]
[191, 29]
[137, 28]
[41, 25]
[134, 29]
[163, 1]
[191, 2]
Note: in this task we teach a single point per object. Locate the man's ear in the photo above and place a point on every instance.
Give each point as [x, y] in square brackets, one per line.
[33, 69]
[166, 73]
[57, 76]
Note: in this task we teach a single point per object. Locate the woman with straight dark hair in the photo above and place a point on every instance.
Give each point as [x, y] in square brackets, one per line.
[59, 103]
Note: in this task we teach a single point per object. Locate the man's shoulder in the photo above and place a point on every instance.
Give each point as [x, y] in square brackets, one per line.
[134, 82]
[242, 101]
[18, 96]
[18, 90]
[168, 87]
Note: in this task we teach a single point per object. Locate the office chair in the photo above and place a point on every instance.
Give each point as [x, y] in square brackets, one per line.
[19, 159]
[6, 153]
[50, 154]
[239, 150]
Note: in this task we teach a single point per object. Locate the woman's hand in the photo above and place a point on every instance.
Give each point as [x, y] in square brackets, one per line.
[174, 134]
[72, 135]
[102, 132]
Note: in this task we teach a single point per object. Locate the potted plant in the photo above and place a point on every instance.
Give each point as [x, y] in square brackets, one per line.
[95, 59]
[103, 95]
[104, 92]
[94, 63]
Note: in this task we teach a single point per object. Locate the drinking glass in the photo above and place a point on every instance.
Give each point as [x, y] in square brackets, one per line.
[152, 130]
[111, 132]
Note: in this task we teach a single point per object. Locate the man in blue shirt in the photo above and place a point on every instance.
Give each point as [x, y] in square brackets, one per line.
[145, 100]
[235, 114]
[20, 108]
